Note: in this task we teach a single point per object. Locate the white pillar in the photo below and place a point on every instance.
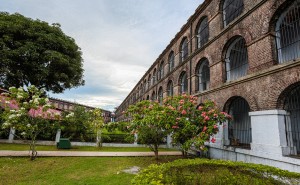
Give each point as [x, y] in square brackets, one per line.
[169, 141]
[11, 135]
[135, 138]
[269, 132]
[58, 133]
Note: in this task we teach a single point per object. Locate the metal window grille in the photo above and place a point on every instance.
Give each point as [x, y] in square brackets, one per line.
[183, 83]
[204, 76]
[236, 59]
[160, 96]
[184, 50]
[292, 106]
[171, 61]
[288, 33]
[239, 128]
[231, 10]
[202, 33]
[170, 88]
[153, 97]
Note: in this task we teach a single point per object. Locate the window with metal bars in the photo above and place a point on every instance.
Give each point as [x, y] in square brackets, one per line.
[239, 128]
[153, 77]
[171, 61]
[160, 73]
[231, 10]
[170, 88]
[236, 59]
[153, 96]
[183, 81]
[149, 81]
[292, 106]
[202, 33]
[203, 72]
[288, 33]
[160, 95]
[184, 49]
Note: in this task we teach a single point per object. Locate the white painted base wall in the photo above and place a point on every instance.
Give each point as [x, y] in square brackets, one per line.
[269, 145]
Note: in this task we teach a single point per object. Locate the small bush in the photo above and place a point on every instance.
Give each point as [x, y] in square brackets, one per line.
[116, 138]
[204, 171]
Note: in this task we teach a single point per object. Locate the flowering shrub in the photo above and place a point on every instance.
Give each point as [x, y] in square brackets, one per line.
[192, 125]
[150, 121]
[29, 112]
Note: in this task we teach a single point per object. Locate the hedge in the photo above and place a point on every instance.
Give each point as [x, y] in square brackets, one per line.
[205, 171]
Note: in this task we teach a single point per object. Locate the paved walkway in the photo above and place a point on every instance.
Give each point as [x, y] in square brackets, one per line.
[7, 153]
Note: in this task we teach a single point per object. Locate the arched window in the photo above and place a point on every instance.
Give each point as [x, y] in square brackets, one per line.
[141, 89]
[149, 81]
[236, 59]
[171, 61]
[292, 106]
[161, 71]
[153, 96]
[148, 97]
[203, 75]
[184, 49]
[153, 77]
[170, 88]
[145, 85]
[183, 82]
[231, 10]
[202, 33]
[288, 33]
[160, 95]
[239, 128]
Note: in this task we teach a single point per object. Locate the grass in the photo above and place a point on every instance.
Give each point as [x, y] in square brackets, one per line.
[24, 147]
[72, 170]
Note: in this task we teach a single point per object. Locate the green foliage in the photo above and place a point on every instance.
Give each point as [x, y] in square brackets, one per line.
[28, 112]
[150, 121]
[82, 125]
[192, 126]
[204, 171]
[32, 52]
[117, 138]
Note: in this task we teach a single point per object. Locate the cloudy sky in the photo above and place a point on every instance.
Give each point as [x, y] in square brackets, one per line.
[120, 39]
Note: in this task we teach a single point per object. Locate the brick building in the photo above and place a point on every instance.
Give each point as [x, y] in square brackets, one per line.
[245, 56]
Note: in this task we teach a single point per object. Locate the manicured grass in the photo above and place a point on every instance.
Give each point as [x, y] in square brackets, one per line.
[72, 170]
[22, 147]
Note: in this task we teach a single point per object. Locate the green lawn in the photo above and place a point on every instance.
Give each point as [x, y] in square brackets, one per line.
[72, 170]
[22, 147]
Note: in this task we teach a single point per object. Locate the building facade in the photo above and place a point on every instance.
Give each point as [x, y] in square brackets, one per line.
[245, 56]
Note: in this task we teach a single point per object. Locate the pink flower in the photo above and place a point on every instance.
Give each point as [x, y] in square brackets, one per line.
[200, 108]
[206, 118]
[175, 126]
[213, 140]
[203, 114]
[183, 112]
[215, 126]
[170, 107]
[215, 115]
[178, 118]
[181, 102]
[204, 129]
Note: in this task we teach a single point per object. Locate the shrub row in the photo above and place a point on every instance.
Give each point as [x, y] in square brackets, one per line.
[205, 171]
[117, 138]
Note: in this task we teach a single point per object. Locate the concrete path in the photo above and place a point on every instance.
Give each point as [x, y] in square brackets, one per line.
[7, 153]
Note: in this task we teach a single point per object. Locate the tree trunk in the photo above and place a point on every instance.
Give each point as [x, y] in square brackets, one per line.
[33, 152]
[156, 152]
[99, 139]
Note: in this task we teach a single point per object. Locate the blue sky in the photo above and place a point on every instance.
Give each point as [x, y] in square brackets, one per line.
[120, 39]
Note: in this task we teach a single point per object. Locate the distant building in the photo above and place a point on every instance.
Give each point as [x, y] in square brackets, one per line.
[245, 56]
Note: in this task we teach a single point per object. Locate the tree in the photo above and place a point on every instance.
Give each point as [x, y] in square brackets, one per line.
[149, 120]
[32, 52]
[97, 122]
[29, 113]
[193, 126]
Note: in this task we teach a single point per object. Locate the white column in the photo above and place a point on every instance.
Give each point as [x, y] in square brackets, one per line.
[11, 135]
[135, 138]
[169, 141]
[58, 133]
[268, 132]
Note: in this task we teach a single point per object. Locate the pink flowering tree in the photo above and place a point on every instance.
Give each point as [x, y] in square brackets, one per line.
[29, 112]
[192, 126]
[150, 121]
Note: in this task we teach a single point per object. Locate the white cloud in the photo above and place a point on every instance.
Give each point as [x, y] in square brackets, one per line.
[120, 39]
